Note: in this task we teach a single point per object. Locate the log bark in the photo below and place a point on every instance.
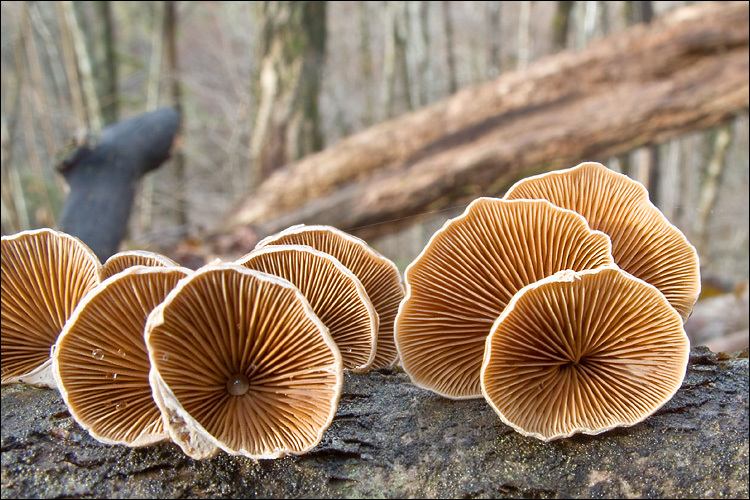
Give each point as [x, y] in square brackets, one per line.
[391, 439]
[685, 71]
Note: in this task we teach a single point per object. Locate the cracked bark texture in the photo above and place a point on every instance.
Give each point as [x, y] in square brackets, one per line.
[391, 439]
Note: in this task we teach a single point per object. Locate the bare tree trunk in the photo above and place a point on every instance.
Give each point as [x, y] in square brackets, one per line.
[37, 82]
[591, 9]
[401, 36]
[450, 58]
[670, 188]
[561, 25]
[71, 69]
[418, 44]
[55, 59]
[179, 184]
[15, 215]
[720, 139]
[153, 83]
[287, 124]
[110, 97]
[524, 36]
[494, 18]
[366, 63]
[603, 17]
[153, 86]
[687, 72]
[389, 59]
[44, 216]
[395, 63]
[83, 60]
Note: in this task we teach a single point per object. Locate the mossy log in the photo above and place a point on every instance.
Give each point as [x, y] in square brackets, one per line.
[391, 439]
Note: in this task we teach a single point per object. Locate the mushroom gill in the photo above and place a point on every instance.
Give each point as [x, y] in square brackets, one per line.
[583, 352]
[239, 362]
[45, 273]
[467, 274]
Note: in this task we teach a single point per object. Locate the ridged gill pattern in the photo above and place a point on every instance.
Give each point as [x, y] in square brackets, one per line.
[245, 358]
[334, 293]
[644, 242]
[467, 274]
[378, 275]
[584, 352]
[101, 362]
[45, 274]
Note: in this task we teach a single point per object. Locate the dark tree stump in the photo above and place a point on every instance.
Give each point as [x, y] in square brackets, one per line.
[103, 173]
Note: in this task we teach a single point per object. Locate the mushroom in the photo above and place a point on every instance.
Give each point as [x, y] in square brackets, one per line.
[337, 297]
[467, 274]
[378, 274]
[240, 362]
[644, 242]
[100, 361]
[128, 258]
[45, 273]
[583, 352]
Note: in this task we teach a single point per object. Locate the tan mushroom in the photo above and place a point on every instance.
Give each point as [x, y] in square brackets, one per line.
[100, 361]
[378, 274]
[644, 242]
[583, 352]
[335, 294]
[241, 363]
[129, 258]
[467, 274]
[45, 273]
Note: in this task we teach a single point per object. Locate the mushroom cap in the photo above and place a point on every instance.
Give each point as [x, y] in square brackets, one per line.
[467, 274]
[583, 352]
[45, 273]
[129, 258]
[378, 274]
[644, 242]
[100, 361]
[334, 292]
[240, 362]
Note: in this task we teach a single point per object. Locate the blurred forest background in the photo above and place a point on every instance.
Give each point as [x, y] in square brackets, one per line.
[243, 74]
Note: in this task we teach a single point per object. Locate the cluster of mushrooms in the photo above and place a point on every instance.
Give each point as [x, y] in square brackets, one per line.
[562, 304]
[245, 357]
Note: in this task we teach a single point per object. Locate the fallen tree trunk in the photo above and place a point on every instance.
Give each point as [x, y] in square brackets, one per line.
[684, 72]
[391, 439]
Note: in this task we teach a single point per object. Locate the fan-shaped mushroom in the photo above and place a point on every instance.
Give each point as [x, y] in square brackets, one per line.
[45, 273]
[467, 274]
[100, 361]
[583, 352]
[644, 242]
[335, 294]
[240, 362]
[378, 274]
[129, 258]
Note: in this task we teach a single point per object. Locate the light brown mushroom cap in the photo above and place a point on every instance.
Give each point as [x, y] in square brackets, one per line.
[378, 274]
[334, 292]
[129, 258]
[467, 274]
[100, 361]
[644, 242]
[240, 362]
[45, 273]
[583, 352]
